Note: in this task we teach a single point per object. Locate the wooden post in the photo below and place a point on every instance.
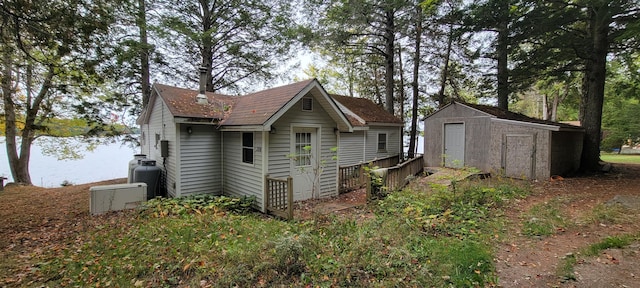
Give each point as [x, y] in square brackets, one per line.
[368, 186]
[290, 197]
[2, 178]
[266, 193]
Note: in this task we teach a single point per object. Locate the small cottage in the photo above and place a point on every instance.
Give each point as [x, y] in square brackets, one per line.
[499, 141]
[376, 133]
[208, 143]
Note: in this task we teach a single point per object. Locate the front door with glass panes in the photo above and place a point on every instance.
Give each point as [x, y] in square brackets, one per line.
[304, 162]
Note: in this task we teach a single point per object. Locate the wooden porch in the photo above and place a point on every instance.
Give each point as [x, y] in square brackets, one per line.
[357, 177]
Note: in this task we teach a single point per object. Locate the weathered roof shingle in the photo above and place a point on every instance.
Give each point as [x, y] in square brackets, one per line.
[182, 102]
[367, 110]
[509, 115]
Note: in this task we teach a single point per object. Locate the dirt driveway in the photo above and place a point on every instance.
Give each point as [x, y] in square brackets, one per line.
[525, 261]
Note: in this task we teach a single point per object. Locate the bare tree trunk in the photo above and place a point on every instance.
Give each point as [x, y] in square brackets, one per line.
[402, 96]
[144, 53]
[593, 82]
[553, 116]
[445, 69]
[376, 87]
[501, 53]
[545, 107]
[389, 50]
[206, 45]
[414, 84]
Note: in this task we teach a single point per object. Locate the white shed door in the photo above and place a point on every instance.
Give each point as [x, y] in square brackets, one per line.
[453, 145]
[518, 155]
[305, 157]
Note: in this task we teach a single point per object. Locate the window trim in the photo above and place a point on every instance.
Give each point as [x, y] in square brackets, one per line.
[247, 148]
[386, 138]
[301, 154]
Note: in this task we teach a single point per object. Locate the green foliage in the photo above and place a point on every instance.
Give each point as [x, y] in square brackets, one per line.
[544, 219]
[453, 214]
[195, 244]
[607, 243]
[237, 41]
[378, 191]
[566, 267]
[606, 213]
[161, 207]
[620, 123]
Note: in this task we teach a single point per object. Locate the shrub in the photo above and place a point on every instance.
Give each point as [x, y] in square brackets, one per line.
[197, 204]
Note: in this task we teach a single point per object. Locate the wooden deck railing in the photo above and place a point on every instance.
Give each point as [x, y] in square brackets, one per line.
[351, 177]
[394, 178]
[279, 196]
[385, 162]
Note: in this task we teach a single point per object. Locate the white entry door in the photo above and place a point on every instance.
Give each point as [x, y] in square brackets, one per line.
[453, 145]
[304, 162]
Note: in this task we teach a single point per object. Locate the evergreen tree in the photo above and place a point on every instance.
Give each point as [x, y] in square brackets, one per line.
[236, 41]
[51, 54]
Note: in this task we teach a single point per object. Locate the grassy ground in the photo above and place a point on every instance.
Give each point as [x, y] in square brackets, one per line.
[620, 158]
[424, 237]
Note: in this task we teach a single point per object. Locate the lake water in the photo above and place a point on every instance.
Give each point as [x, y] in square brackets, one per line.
[107, 161]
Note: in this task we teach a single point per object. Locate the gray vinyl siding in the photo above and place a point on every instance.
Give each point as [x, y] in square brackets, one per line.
[200, 160]
[351, 150]
[393, 142]
[280, 145]
[478, 136]
[161, 123]
[242, 179]
[279, 148]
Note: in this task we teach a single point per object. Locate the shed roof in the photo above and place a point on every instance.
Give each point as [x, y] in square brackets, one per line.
[500, 113]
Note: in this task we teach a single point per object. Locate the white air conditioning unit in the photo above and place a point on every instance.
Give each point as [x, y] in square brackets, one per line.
[116, 197]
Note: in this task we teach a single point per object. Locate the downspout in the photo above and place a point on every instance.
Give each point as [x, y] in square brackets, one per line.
[364, 145]
[265, 167]
[223, 178]
[337, 133]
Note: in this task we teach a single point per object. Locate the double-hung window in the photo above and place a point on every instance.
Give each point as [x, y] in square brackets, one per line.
[247, 147]
[382, 142]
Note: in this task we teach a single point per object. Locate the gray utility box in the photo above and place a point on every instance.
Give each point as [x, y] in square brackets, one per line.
[116, 197]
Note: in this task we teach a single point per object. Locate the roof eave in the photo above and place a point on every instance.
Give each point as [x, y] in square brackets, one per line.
[247, 128]
[196, 120]
[536, 125]
[385, 124]
[146, 112]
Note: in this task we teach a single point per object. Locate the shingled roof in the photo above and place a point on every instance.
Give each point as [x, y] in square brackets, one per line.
[256, 108]
[509, 115]
[366, 110]
[259, 108]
